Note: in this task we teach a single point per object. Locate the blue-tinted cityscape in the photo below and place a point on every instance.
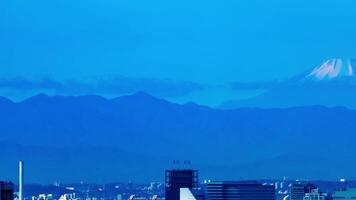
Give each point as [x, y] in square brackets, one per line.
[177, 99]
[182, 183]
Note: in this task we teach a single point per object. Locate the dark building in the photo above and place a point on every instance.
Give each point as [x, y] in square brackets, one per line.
[298, 191]
[177, 179]
[7, 191]
[239, 190]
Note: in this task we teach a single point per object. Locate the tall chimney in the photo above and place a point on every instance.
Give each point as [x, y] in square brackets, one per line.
[20, 180]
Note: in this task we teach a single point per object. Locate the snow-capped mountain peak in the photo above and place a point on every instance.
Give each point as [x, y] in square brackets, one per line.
[332, 69]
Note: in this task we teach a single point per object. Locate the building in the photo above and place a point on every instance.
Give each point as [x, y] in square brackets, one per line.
[346, 194]
[239, 190]
[7, 191]
[298, 191]
[177, 179]
[71, 196]
[314, 195]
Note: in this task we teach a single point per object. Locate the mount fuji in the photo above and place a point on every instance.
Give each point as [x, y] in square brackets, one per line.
[332, 69]
[331, 84]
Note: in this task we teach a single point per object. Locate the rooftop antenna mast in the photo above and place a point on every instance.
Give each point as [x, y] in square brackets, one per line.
[176, 164]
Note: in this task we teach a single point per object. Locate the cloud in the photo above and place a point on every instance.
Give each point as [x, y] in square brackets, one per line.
[101, 86]
[20, 83]
[258, 85]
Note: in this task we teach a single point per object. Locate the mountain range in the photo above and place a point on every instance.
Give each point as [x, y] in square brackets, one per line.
[136, 137]
[333, 83]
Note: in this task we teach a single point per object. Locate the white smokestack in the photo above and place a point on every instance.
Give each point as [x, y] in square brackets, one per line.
[20, 180]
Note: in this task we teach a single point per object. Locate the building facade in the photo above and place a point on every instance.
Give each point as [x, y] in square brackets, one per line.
[347, 194]
[6, 191]
[239, 190]
[314, 195]
[297, 191]
[191, 194]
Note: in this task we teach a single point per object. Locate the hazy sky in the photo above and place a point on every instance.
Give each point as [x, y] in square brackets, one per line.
[202, 41]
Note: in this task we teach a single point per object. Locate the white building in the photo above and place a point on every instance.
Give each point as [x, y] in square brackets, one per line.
[314, 195]
[186, 194]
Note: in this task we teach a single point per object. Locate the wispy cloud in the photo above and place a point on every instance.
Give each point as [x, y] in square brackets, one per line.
[20, 83]
[102, 86]
[259, 85]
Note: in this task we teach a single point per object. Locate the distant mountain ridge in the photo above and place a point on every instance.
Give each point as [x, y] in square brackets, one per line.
[331, 84]
[135, 137]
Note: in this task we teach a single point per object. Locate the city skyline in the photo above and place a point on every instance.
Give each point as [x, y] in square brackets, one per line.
[183, 184]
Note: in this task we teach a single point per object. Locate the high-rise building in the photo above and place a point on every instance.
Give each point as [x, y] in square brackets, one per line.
[239, 190]
[6, 191]
[346, 194]
[297, 191]
[177, 179]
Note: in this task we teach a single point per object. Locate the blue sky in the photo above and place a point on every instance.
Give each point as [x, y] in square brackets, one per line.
[206, 44]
